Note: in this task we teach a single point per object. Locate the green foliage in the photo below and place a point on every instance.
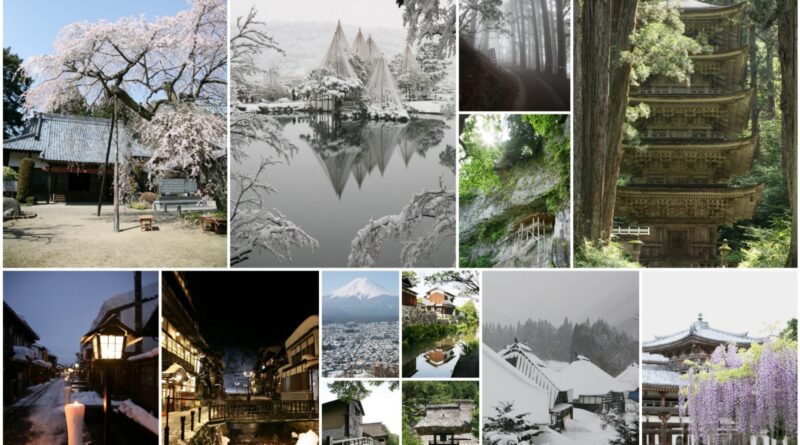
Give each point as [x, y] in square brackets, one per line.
[659, 46]
[420, 333]
[768, 246]
[24, 186]
[140, 205]
[555, 130]
[14, 86]
[468, 315]
[392, 439]
[9, 174]
[790, 332]
[411, 276]
[350, 390]
[477, 172]
[194, 217]
[30, 200]
[600, 254]
[467, 281]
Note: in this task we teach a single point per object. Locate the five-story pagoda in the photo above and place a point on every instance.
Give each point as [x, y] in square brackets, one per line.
[693, 143]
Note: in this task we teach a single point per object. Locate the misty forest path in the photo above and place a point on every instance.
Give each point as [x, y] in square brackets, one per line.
[536, 94]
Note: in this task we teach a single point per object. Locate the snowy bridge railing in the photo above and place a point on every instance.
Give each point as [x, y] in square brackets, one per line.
[256, 410]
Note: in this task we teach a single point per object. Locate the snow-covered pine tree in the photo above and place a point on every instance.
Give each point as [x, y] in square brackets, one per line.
[508, 428]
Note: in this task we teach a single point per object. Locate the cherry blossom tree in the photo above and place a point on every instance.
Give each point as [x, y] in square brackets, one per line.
[169, 71]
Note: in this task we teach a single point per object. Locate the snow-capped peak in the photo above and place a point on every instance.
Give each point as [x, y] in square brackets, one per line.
[361, 288]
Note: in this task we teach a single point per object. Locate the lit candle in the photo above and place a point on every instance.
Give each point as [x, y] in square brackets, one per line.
[74, 412]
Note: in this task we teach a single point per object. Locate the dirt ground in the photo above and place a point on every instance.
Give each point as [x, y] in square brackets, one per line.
[72, 236]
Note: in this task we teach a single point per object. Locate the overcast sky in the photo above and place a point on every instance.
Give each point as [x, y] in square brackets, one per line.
[374, 13]
[509, 297]
[744, 300]
[382, 405]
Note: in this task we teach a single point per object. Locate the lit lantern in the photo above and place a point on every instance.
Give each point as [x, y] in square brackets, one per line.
[109, 339]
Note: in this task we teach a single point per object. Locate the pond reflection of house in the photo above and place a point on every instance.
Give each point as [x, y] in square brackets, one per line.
[189, 373]
[300, 377]
[25, 363]
[68, 153]
[445, 421]
[342, 420]
[441, 302]
[136, 376]
[443, 352]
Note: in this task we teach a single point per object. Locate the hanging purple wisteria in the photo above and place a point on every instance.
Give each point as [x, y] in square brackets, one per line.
[743, 392]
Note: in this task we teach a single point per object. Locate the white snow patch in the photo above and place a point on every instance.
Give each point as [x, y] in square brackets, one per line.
[424, 106]
[139, 415]
[362, 288]
[505, 384]
[307, 438]
[149, 354]
[127, 315]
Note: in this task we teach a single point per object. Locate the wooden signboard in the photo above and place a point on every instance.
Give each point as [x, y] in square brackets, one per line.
[178, 186]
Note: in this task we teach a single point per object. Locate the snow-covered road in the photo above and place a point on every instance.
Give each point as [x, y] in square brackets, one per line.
[38, 418]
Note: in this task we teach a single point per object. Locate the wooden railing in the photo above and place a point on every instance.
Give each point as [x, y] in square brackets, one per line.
[255, 410]
[631, 231]
[680, 90]
[354, 441]
[536, 229]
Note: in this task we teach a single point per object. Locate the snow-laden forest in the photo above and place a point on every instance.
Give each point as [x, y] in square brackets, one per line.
[514, 55]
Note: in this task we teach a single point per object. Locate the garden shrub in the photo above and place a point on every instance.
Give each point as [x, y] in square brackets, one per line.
[24, 188]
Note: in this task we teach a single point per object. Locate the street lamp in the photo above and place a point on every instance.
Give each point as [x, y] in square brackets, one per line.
[247, 375]
[108, 341]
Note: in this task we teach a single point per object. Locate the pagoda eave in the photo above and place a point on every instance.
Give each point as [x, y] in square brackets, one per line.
[713, 12]
[718, 162]
[687, 342]
[700, 205]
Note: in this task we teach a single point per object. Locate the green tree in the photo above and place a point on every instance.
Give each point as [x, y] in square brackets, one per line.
[348, 390]
[14, 86]
[24, 188]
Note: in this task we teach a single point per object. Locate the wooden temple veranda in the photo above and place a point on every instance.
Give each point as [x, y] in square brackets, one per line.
[692, 145]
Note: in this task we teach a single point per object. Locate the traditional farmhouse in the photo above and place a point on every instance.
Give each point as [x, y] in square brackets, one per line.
[300, 376]
[342, 420]
[504, 383]
[68, 153]
[663, 370]
[693, 144]
[189, 371]
[377, 431]
[136, 376]
[592, 388]
[538, 373]
[441, 302]
[629, 379]
[444, 422]
[25, 363]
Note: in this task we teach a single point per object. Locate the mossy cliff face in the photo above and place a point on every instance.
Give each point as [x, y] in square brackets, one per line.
[487, 222]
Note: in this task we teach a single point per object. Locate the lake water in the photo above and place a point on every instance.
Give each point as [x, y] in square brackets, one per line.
[345, 173]
[434, 359]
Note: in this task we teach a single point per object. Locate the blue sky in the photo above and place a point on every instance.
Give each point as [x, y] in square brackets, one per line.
[60, 306]
[31, 27]
[334, 280]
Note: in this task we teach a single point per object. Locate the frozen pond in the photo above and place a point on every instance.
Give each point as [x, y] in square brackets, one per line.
[345, 173]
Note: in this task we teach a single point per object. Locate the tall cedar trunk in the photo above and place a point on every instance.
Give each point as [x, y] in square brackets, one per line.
[603, 85]
[787, 48]
[770, 80]
[534, 61]
[473, 28]
[546, 30]
[561, 62]
[523, 61]
[513, 38]
[535, 23]
[754, 127]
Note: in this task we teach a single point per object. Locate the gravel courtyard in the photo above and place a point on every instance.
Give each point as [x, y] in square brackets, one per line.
[72, 236]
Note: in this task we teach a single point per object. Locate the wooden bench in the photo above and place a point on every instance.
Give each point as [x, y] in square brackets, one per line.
[146, 223]
[218, 225]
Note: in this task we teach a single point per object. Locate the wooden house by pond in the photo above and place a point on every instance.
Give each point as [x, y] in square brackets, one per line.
[444, 422]
[441, 302]
[68, 154]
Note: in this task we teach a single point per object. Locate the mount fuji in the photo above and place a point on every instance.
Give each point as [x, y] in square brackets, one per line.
[360, 300]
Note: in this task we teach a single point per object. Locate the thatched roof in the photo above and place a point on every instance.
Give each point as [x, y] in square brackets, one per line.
[450, 418]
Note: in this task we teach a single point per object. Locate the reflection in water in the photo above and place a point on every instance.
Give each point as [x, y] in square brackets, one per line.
[273, 433]
[433, 359]
[357, 149]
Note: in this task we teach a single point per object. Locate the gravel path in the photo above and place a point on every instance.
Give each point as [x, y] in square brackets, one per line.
[72, 236]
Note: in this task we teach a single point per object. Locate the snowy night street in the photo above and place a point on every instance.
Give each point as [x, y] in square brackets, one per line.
[38, 418]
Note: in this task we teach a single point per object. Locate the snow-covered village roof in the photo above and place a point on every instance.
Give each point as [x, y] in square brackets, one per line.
[360, 47]
[630, 377]
[65, 138]
[336, 58]
[31, 333]
[150, 306]
[510, 385]
[661, 376]
[519, 347]
[307, 325]
[587, 379]
[699, 329]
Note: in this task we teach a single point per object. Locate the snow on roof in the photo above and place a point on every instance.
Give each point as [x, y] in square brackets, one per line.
[630, 377]
[504, 383]
[519, 347]
[149, 354]
[587, 379]
[307, 325]
[660, 375]
[127, 315]
[701, 329]
[653, 358]
[139, 415]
